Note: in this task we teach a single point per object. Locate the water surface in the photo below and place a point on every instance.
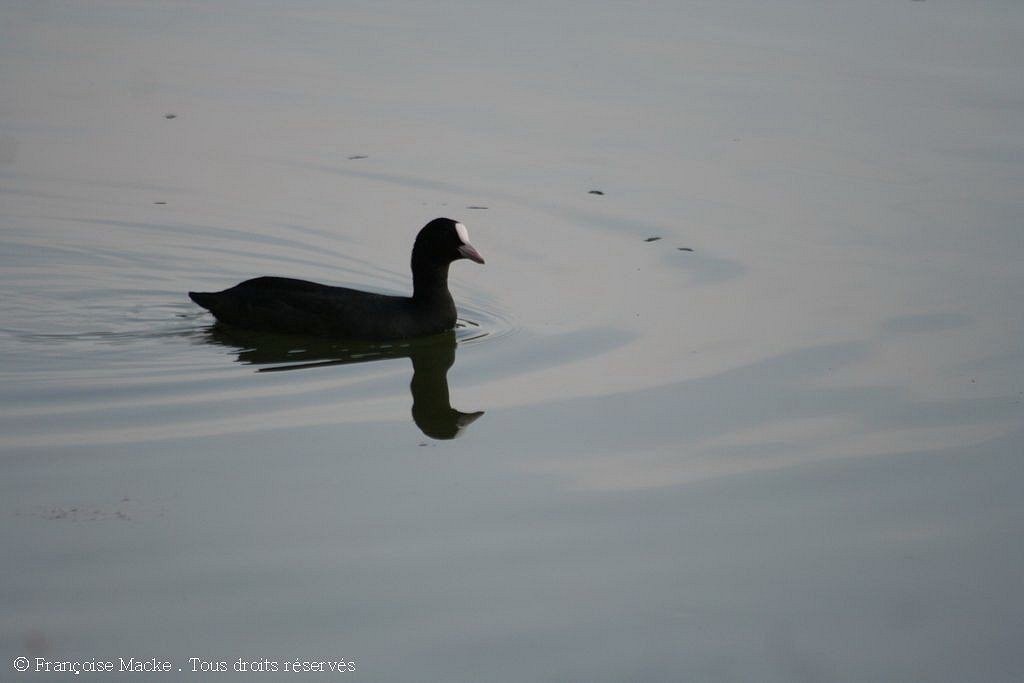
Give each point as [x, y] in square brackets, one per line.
[782, 442]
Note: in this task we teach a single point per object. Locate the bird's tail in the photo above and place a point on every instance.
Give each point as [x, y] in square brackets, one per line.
[204, 299]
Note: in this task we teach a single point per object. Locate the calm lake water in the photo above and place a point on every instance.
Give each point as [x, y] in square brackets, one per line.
[782, 442]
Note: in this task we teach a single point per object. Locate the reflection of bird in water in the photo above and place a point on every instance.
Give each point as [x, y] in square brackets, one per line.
[431, 406]
[431, 358]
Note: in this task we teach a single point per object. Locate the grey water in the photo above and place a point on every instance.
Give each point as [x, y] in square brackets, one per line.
[784, 441]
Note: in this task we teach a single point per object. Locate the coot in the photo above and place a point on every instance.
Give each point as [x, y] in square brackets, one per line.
[279, 304]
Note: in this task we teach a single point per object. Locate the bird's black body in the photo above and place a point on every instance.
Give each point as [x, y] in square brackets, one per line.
[280, 304]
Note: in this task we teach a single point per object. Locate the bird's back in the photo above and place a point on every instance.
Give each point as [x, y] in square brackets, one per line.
[301, 307]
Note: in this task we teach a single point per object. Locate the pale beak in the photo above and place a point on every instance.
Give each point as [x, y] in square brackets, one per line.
[469, 252]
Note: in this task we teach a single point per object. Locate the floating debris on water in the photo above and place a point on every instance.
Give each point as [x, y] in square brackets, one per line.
[84, 513]
[170, 116]
[684, 248]
[652, 239]
[161, 203]
[480, 208]
[359, 156]
[596, 192]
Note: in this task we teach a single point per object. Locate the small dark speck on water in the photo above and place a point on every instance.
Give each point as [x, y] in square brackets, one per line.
[358, 156]
[596, 192]
[480, 208]
[684, 248]
[652, 239]
[170, 116]
[161, 203]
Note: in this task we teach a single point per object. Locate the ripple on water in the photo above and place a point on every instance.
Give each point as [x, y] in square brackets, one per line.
[144, 368]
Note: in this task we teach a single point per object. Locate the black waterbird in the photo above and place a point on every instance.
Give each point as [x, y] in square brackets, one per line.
[278, 304]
